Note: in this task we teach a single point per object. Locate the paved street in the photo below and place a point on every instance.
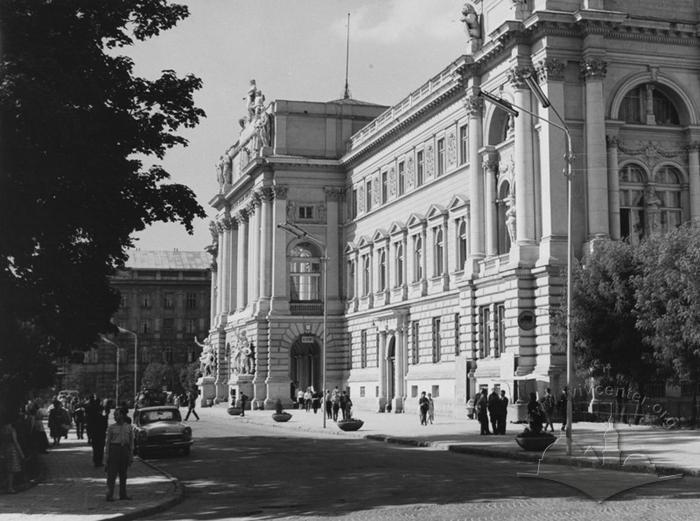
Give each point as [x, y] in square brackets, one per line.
[243, 470]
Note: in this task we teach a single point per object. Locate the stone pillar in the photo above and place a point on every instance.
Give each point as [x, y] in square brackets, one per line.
[333, 197]
[280, 300]
[490, 173]
[424, 258]
[242, 275]
[694, 175]
[593, 71]
[220, 272]
[524, 175]
[381, 353]
[253, 258]
[356, 282]
[475, 106]
[212, 296]
[232, 270]
[266, 196]
[614, 188]
[553, 166]
[227, 258]
[401, 350]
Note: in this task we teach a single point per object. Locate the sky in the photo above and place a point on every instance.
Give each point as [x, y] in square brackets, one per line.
[295, 50]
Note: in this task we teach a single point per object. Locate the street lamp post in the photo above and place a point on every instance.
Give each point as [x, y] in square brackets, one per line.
[116, 387]
[568, 173]
[136, 357]
[300, 233]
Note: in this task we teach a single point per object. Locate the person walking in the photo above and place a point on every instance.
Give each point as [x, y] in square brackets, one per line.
[335, 398]
[119, 450]
[493, 406]
[344, 405]
[97, 440]
[329, 405]
[307, 399]
[10, 453]
[59, 422]
[563, 399]
[431, 408]
[548, 405]
[191, 402]
[482, 412]
[79, 419]
[423, 407]
[244, 400]
[503, 413]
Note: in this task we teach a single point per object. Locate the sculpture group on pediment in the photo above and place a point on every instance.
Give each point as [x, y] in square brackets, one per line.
[207, 360]
[242, 356]
[471, 21]
[510, 215]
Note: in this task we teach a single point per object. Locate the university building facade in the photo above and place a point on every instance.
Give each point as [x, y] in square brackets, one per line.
[439, 225]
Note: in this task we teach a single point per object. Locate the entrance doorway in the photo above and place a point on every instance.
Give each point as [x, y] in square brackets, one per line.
[305, 363]
[390, 369]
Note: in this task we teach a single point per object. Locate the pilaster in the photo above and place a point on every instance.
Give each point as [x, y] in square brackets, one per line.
[279, 303]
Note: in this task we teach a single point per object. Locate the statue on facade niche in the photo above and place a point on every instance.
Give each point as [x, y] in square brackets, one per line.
[253, 100]
[510, 216]
[242, 358]
[220, 172]
[207, 360]
[653, 203]
[471, 21]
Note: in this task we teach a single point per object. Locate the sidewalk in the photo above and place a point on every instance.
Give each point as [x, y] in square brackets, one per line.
[618, 446]
[73, 489]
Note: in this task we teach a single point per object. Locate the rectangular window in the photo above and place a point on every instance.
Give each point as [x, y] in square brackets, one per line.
[402, 179]
[463, 144]
[368, 196]
[354, 203]
[362, 391]
[168, 355]
[484, 331]
[414, 391]
[377, 340]
[146, 301]
[385, 187]
[122, 301]
[440, 156]
[435, 390]
[191, 325]
[191, 301]
[146, 326]
[168, 301]
[437, 347]
[420, 168]
[363, 348]
[306, 212]
[500, 346]
[145, 356]
[168, 325]
[415, 354]
[458, 336]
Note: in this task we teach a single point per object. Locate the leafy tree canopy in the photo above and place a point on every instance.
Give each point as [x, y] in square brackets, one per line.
[75, 123]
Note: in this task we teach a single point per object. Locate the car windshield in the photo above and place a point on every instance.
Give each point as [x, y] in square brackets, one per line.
[159, 416]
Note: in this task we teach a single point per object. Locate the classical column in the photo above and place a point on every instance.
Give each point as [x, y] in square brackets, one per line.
[401, 353]
[356, 282]
[490, 172]
[614, 188]
[524, 175]
[552, 157]
[253, 258]
[593, 70]
[475, 106]
[381, 353]
[280, 300]
[242, 260]
[694, 175]
[333, 197]
[220, 272]
[424, 258]
[227, 224]
[266, 197]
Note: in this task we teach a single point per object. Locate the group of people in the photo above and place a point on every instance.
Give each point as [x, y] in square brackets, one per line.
[338, 402]
[541, 412]
[308, 399]
[22, 439]
[426, 408]
[494, 408]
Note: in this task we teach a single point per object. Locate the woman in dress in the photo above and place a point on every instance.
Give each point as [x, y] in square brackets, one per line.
[11, 453]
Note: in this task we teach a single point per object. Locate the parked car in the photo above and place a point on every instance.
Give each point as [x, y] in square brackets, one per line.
[159, 429]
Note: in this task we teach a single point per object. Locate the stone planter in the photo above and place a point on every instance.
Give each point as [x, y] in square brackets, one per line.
[350, 425]
[281, 416]
[535, 442]
[234, 411]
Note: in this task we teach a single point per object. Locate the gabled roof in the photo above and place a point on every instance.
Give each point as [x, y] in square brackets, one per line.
[457, 201]
[168, 260]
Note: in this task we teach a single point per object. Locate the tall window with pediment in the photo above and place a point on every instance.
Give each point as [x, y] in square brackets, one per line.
[417, 258]
[382, 270]
[461, 243]
[304, 273]
[398, 251]
[439, 250]
[366, 274]
[648, 105]
[351, 279]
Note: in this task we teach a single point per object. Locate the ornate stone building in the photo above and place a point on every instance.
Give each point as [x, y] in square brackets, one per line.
[445, 218]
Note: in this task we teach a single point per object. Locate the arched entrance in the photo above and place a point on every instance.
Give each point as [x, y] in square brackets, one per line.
[391, 369]
[305, 363]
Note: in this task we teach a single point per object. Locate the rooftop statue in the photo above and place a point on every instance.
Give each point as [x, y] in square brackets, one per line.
[471, 21]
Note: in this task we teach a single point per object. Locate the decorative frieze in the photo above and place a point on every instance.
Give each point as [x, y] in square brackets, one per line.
[266, 193]
[410, 173]
[429, 161]
[594, 68]
[392, 181]
[649, 152]
[516, 76]
[474, 106]
[451, 148]
[333, 193]
[280, 191]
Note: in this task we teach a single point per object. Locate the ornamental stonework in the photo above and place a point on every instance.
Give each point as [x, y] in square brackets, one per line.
[410, 173]
[392, 181]
[429, 161]
[376, 190]
[280, 191]
[550, 69]
[516, 76]
[451, 149]
[651, 153]
[474, 106]
[267, 193]
[334, 193]
[594, 68]
[361, 198]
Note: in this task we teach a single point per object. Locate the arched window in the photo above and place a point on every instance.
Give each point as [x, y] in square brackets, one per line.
[632, 180]
[417, 258]
[382, 270]
[648, 105]
[461, 243]
[439, 250]
[366, 274]
[399, 264]
[304, 273]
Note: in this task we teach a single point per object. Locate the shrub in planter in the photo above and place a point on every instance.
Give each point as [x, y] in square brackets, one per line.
[534, 441]
[350, 424]
[279, 415]
[234, 411]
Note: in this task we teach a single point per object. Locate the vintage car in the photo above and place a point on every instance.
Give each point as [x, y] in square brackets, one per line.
[160, 429]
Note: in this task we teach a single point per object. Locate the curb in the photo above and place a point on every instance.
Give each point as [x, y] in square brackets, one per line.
[159, 507]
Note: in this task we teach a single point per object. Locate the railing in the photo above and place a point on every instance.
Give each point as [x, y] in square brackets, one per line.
[306, 308]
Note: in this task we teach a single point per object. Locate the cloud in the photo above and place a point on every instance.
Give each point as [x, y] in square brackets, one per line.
[395, 21]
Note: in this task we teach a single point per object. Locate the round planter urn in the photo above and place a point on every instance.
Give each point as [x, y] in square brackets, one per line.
[350, 425]
[234, 411]
[281, 416]
[535, 442]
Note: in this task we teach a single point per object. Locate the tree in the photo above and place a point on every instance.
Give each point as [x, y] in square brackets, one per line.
[77, 126]
[189, 374]
[157, 375]
[668, 303]
[607, 343]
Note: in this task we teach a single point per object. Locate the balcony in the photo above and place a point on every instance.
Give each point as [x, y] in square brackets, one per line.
[306, 308]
